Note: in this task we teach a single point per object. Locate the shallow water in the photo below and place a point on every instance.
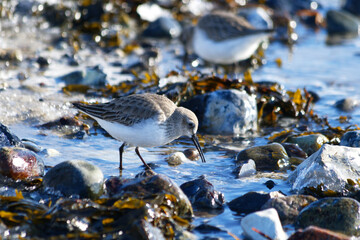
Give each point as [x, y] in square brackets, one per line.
[332, 71]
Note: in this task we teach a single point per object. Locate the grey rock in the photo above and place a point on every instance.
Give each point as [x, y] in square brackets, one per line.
[347, 104]
[91, 77]
[163, 27]
[288, 207]
[309, 143]
[351, 139]
[341, 22]
[336, 214]
[225, 112]
[352, 6]
[331, 167]
[76, 177]
[7, 138]
[202, 194]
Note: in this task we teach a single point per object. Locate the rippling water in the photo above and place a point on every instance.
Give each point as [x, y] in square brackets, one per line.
[332, 71]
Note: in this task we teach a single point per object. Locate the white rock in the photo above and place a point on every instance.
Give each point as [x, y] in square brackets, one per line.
[176, 158]
[331, 166]
[247, 169]
[266, 222]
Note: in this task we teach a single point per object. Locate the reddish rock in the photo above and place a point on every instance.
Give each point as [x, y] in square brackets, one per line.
[316, 233]
[20, 163]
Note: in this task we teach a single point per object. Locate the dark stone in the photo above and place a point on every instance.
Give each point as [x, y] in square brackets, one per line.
[288, 207]
[352, 6]
[91, 77]
[351, 139]
[192, 154]
[149, 186]
[270, 184]
[316, 233]
[207, 228]
[20, 163]
[341, 22]
[7, 138]
[76, 177]
[336, 214]
[250, 202]
[202, 194]
[347, 104]
[293, 150]
[43, 62]
[266, 157]
[163, 27]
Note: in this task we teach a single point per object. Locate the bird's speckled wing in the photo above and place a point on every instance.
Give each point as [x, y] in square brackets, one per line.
[220, 26]
[131, 109]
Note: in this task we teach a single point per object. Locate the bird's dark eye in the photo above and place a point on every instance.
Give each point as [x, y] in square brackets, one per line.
[191, 124]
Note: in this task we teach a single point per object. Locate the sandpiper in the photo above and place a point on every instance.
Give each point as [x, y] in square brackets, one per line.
[223, 38]
[144, 120]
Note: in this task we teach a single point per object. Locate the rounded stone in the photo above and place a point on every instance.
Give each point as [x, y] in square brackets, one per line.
[351, 139]
[336, 214]
[76, 177]
[309, 143]
[341, 22]
[20, 163]
[176, 159]
[266, 157]
[347, 104]
[163, 27]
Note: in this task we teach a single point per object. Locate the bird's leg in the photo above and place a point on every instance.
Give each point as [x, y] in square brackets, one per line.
[138, 153]
[121, 150]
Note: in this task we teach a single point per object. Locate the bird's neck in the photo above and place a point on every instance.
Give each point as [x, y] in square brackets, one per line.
[173, 126]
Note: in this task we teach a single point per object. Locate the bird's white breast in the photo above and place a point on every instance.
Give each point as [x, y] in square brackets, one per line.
[147, 133]
[227, 51]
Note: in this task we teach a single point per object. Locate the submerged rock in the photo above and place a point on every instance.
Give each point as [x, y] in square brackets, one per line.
[148, 186]
[176, 159]
[288, 207]
[20, 163]
[192, 154]
[8, 139]
[352, 6]
[341, 22]
[330, 167]
[347, 104]
[265, 221]
[351, 139]
[251, 201]
[266, 157]
[163, 27]
[293, 150]
[313, 232]
[202, 194]
[91, 77]
[76, 177]
[337, 214]
[309, 143]
[225, 112]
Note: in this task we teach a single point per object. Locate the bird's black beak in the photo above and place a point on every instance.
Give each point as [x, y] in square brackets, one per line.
[197, 145]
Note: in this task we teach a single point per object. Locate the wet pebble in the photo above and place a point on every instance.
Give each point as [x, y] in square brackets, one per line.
[7, 138]
[341, 22]
[225, 111]
[247, 169]
[147, 186]
[192, 154]
[351, 139]
[265, 221]
[352, 6]
[309, 143]
[251, 201]
[76, 177]
[293, 150]
[163, 27]
[336, 214]
[20, 163]
[266, 157]
[43, 62]
[91, 77]
[288, 207]
[347, 104]
[270, 184]
[313, 232]
[202, 194]
[330, 167]
[176, 159]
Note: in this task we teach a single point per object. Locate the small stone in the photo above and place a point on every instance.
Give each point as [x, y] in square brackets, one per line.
[163, 27]
[176, 159]
[7, 138]
[202, 194]
[266, 157]
[309, 143]
[351, 139]
[43, 62]
[91, 77]
[341, 22]
[247, 169]
[347, 104]
[330, 167]
[288, 207]
[20, 163]
[317, 233]
[352, 6]
[336, 214]
[76, 177]
[270, 184]
[225, 112]
[192, 154]
[293, 150]
[265, 221]
[251, 201]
